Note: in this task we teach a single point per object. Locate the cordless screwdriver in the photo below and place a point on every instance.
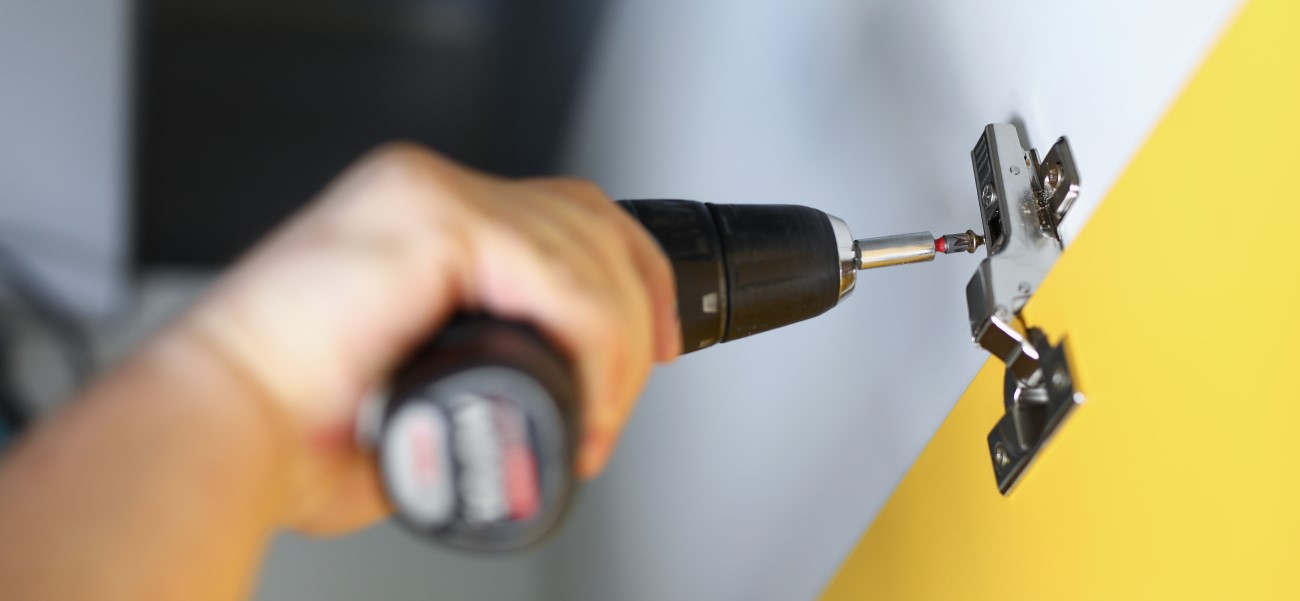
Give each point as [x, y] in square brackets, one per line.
[476, 441]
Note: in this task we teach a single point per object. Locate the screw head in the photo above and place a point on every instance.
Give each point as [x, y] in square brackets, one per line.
[1025, 288]
[987, 194]
[1000, 456]
[1015, 170]
[1060, 379]
[1053, 178]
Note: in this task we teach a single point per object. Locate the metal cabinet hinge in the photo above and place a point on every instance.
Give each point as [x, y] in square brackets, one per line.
[1022, 202]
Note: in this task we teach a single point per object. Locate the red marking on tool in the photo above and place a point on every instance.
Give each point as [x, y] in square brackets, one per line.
[522, 488]
[424, 454]
[941, 245]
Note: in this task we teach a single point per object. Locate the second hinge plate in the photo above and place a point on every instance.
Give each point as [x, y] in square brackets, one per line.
[1033, 414]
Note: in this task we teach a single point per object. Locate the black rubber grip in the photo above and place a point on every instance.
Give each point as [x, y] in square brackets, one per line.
[782, 265]
[743, 269]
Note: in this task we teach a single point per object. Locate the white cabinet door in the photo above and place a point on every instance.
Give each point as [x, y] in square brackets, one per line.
[749, 470]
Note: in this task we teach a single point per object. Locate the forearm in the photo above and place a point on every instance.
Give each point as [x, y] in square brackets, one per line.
[163, 481]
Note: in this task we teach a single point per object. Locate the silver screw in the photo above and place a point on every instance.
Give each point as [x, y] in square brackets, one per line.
[1053, 178]
[1000, 456]
[1025, 288]
[987, 194]
[1015, 170]
[1060, 379]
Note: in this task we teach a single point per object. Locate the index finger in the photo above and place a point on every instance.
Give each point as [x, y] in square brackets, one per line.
[651, 263]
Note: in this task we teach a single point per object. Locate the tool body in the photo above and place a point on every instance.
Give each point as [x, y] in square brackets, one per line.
[476, 440]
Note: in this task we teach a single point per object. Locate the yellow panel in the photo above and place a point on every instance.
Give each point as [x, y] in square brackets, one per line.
[1179, 478]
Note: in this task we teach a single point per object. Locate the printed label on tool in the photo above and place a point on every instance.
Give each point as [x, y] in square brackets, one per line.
[498, 468]
[417, 464]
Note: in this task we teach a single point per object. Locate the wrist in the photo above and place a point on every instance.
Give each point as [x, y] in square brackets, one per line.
[158, 479]
[304, 456]
[213, 422]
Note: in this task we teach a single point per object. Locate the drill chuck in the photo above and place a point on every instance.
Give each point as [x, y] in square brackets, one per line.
[746, 269]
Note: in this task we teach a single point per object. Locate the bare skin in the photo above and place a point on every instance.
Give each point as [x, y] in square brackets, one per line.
[167, 477]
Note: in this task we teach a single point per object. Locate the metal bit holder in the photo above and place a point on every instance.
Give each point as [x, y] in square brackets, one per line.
[1022, 202]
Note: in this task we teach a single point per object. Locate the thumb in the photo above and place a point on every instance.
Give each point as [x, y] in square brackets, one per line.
[319, 313]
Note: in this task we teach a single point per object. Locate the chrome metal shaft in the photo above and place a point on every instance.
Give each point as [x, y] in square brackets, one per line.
[894, 250]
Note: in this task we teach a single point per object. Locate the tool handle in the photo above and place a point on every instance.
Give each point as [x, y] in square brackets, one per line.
[477, 439]
[476, 445]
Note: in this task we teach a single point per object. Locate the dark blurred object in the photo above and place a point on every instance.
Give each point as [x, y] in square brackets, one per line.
[246, 108]
[29, 312]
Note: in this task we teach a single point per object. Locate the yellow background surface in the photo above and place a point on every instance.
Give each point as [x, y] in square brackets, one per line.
[1179, 477]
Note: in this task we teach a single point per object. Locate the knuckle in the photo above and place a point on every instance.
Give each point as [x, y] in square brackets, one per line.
[606, 342]
[607, 239]
[405, 164]
[401, 155]
[604, 323]
[582, 191]
[581, 188]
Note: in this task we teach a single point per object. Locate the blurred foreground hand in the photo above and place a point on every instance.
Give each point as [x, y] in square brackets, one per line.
[166, 479]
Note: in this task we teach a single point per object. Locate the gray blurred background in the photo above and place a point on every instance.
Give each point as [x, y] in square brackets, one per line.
[142, 145]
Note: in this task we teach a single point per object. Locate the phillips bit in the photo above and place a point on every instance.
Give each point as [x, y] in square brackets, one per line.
[911, 248]
[955, 243]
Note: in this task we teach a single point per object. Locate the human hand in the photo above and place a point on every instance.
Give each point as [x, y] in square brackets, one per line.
[317, 316]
